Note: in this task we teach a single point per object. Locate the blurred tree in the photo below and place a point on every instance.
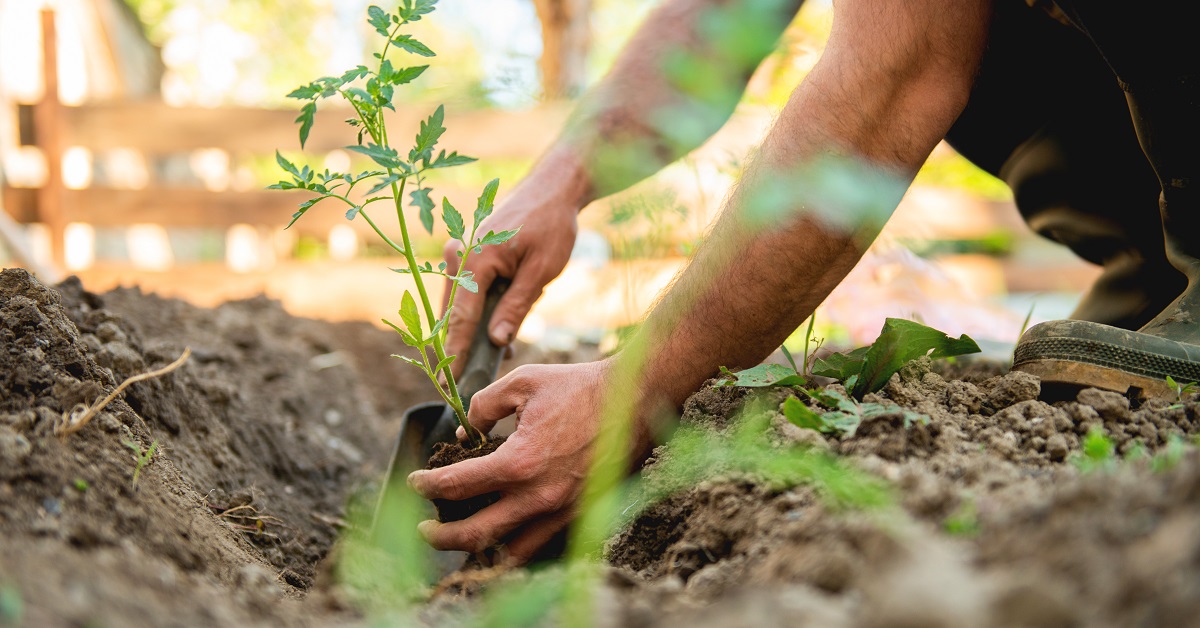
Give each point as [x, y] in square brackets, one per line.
[566, 39]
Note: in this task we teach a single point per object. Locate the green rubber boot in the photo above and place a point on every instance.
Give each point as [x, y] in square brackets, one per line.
[1082, 353]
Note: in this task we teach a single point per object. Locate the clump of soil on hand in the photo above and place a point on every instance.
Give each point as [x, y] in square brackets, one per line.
[446, 454]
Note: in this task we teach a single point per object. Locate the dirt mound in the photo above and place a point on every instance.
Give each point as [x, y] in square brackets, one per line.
[260, 438]
[997, 524]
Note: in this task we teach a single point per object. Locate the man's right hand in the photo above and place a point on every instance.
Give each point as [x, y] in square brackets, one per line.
[544, 206]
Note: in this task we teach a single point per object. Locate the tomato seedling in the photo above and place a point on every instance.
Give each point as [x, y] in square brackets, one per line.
[370, 91]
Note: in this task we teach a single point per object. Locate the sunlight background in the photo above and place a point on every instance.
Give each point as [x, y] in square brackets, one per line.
[956, 255]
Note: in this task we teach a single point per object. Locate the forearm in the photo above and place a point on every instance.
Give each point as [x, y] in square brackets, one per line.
[865, 129]
[671, 75]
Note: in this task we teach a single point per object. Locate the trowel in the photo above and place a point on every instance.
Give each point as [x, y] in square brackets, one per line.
[424, 425]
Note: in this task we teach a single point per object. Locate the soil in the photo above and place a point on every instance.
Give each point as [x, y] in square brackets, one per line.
[446, 454]
[276, 423]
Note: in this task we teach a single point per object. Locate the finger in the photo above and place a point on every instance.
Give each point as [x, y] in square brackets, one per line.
[465, 479]
[499, 400]
[534, 537]
[514, 306]
[482, 529]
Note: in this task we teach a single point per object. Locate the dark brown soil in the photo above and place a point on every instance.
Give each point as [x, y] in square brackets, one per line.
[446, 454]
[276, 422]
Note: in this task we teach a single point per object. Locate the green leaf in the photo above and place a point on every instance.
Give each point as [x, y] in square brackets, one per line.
[412, 12]
[487, 201]
[383, 183]
[402, 271]
[409, 314]
[286, 165]
[355, 74]
[411, 361]
[840, 366]
[421, 200]
[401, 76]
[431, 131]
[763, 375]
[801, 415]
[409, 43]
[447, 361]
[306, 92]
[900, 342]
[498, 238]
[353, 211]
[453, 220]
[382, 155]
[379, 19]
[467, 281]
[307, 112]
[407, 338]
[437, 327]
[448, 161]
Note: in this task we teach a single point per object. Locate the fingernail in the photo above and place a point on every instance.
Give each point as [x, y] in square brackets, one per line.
[460, 433]
[503, 331]
[412, 478]
[427, 527]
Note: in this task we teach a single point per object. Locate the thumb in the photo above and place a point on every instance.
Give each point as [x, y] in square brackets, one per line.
[513, 307]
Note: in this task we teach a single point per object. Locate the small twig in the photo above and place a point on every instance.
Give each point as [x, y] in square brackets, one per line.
[81, 414]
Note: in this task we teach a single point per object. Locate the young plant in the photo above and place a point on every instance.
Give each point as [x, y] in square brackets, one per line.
[1181, 391]
[865, 369]
[845, 414]
[1097, 452]
[371, 92]
[140, 457]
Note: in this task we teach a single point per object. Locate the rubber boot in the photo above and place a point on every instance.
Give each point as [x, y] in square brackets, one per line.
[1080, 353]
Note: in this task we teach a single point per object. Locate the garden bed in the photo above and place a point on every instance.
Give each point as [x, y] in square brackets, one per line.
[996, 516]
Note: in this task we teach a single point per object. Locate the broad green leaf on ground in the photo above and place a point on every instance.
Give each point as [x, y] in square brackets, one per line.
[900, 342]
[840, 366]
[763, 375]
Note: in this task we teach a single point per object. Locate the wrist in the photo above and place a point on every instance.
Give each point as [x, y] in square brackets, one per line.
[561, 176]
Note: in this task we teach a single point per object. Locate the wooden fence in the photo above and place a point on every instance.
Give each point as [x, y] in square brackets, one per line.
[155, 129]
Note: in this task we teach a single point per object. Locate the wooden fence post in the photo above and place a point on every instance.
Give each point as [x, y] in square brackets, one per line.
[47, 118]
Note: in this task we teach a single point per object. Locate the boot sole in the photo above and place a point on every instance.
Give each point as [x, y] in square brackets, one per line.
[1082, 354]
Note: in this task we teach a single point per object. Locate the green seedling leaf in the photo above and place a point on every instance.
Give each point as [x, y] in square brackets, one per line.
[801, 415]
[900, 342]
[80, 485]
[306, 92]
[386, 157]
[406, 337]
[355, 74]
[286, 165]
[840, 366]
[763, 375]
[352, 213]
[409, 314]
[409, 43]
[487, 201]
[453, 220]
[383, 183]
[431, 131]
[467, 281]
[498, 238]
[421, 200]
[379, 19]
[403, 75]
[412, 11]
[447, 361]
[449, 161]
[307, 113]
[409, 360]
[437, 327]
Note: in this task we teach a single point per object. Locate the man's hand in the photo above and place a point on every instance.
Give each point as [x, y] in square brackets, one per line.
[539, 471]
[545, 207]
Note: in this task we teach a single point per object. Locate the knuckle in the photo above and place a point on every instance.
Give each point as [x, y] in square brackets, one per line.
[548, 499]
[451, 487]
[526, 468]
[472, 538]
